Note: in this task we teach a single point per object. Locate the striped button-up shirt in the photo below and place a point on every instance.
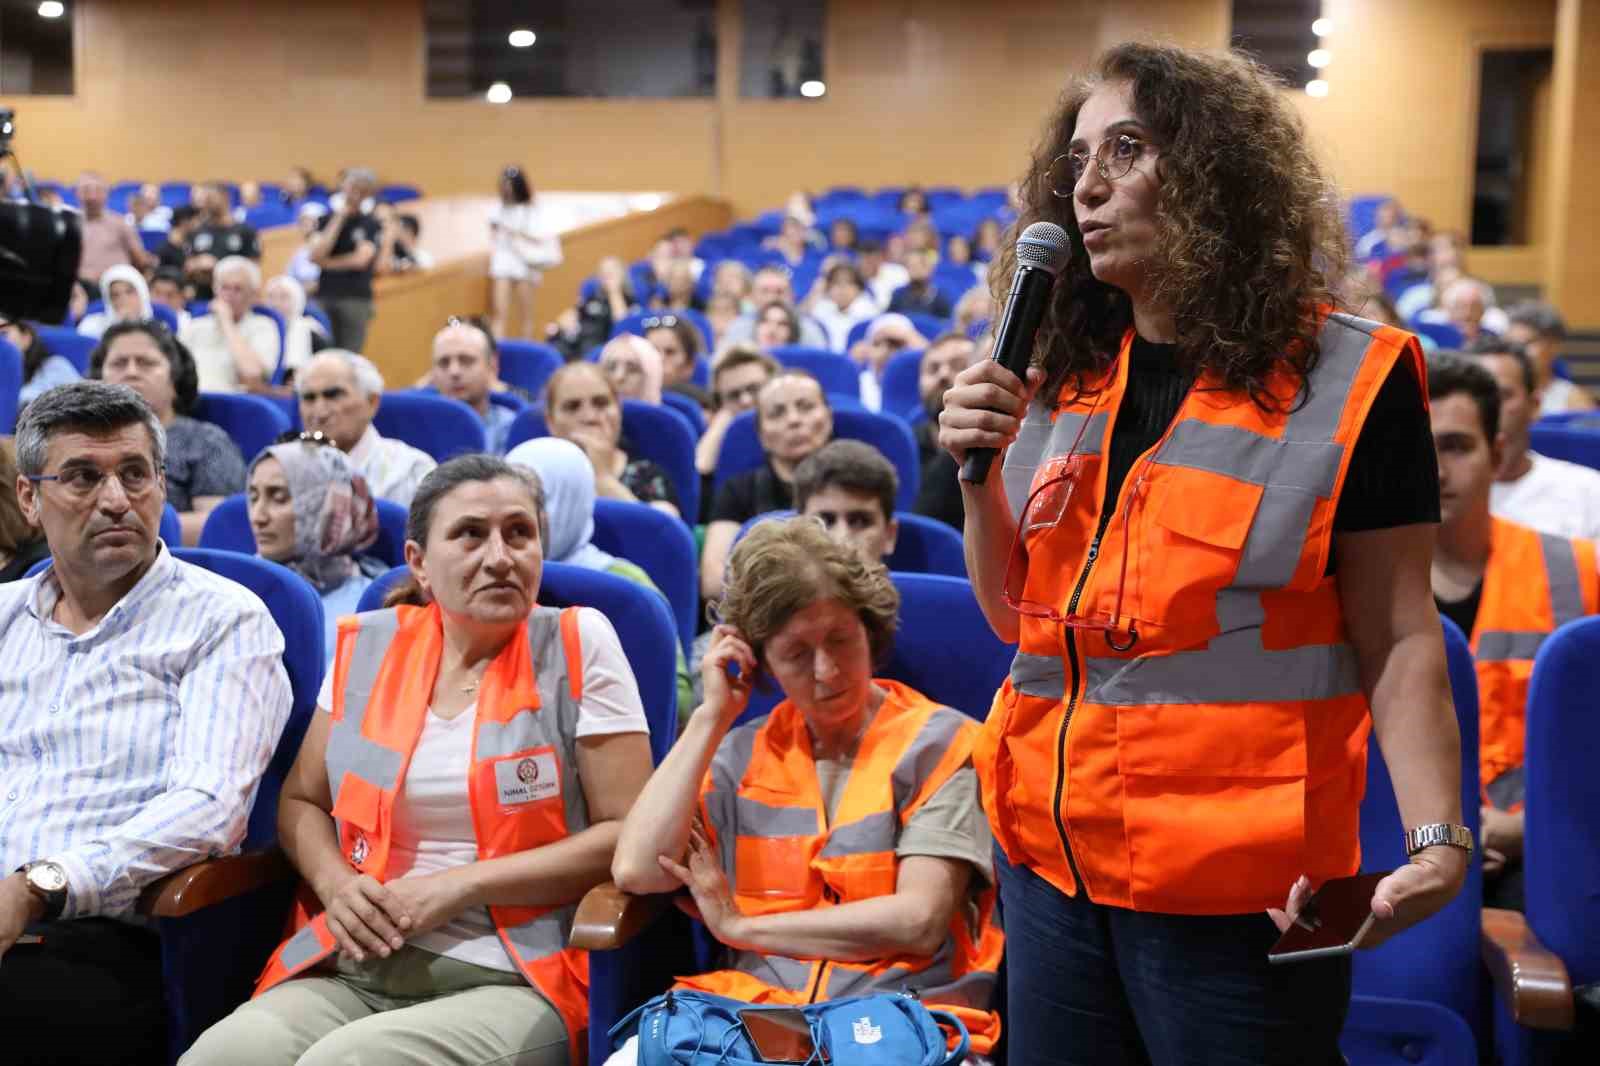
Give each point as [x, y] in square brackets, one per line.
[136, 748]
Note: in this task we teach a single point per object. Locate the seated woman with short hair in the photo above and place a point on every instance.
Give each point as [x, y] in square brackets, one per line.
[460, 788]
[836, 846]
[311, 511]
[582, 405]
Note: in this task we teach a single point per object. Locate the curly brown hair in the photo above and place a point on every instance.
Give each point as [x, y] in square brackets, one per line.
[782, 566]
[1249, 235]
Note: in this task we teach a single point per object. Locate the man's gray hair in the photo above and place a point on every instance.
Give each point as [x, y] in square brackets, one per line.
[369, 379]
[363, 176]
[232, 263]
[1542, 318]
[83, 405]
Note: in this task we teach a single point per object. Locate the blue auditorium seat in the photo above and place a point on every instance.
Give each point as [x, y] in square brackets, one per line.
[171, 528]
[10, 382]
[1572, 443]
[528, 364]
[69, 344]
[1399, 1032]
[398, 194]
[901, 385]
[838, 374]
[741, 448]
[227, 528]
[1443, 334]
[662, 547]
[509, 400]
[252, 421]
[436, 424]
[152, 239]
[175, 193]
[688, 407]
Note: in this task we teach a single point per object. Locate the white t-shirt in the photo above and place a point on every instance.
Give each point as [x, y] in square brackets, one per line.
[1558, 396]
[1554, 496]
[432, 820]
[213, 362]
[514, 257]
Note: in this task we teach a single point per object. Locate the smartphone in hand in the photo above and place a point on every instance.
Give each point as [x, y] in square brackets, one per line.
[1334, 921]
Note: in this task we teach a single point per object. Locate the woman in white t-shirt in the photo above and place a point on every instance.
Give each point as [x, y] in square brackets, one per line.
[524, 247]
[460, 788]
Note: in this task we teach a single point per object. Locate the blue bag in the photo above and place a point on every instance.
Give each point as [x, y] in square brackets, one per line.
[688, 1028]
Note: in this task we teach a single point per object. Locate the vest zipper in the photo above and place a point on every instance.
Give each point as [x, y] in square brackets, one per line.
[1072, 695]
[816, 982]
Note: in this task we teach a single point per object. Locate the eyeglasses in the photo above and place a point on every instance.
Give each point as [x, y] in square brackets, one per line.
[84, 481]
[1113, 158]
[660, 322]
[304, 436]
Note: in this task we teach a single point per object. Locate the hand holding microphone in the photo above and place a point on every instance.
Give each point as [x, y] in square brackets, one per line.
[984, 409]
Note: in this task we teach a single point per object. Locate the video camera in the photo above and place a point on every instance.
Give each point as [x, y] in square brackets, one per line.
[39, 247]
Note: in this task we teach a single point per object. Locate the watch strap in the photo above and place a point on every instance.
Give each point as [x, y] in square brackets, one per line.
[1437, 833]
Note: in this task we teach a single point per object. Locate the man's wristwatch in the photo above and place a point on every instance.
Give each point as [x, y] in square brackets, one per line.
[1427, 836]
[48, 881]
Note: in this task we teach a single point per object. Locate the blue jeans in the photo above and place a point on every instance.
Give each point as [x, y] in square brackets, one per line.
[1104, 986]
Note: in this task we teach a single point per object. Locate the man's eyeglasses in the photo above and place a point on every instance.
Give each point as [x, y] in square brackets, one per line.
[1113, 158]
[84, 481]
[304, 436]
[660, 322]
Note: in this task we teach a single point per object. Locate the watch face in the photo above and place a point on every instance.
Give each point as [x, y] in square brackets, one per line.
[48, 877]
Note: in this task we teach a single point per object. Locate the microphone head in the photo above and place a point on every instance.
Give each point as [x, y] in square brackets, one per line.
[1044, 246]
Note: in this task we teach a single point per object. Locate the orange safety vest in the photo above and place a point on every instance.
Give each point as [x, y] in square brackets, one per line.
[765, 814]
[523, 782]
[1223, 754]
[1515, 614]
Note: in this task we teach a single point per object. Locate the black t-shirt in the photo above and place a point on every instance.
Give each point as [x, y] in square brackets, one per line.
[1393, 478]
[939, 491]
[1463, 613]
[172, 255]
[754, 492]
[350, 284]
[233, 238]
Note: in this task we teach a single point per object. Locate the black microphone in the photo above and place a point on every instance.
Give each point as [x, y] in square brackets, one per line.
[1042, 250]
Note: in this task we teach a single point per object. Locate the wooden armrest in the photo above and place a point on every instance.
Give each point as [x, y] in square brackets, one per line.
[1532, 980]
[211, 881]
[608, 917]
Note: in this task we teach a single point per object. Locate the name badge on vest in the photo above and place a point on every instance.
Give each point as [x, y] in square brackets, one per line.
[527, 778]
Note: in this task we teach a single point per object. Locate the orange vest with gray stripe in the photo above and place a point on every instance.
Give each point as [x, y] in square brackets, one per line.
[766, 816]
[1516, 612]
[1206, 765]
[522, 784]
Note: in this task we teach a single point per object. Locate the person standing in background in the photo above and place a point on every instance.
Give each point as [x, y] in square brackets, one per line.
[524, 247]
[345, 250]
[108, 239]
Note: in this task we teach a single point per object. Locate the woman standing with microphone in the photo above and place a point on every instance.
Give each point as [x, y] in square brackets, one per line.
[1211, 538]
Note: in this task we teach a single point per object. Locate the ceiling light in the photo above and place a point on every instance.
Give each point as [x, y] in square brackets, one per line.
[52, 9]
[1322, 27]
[1317, 87]
[523, 38]
[499, 93]
[812, 89]
[1319, 57]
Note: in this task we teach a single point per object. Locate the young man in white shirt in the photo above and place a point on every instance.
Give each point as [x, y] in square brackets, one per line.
[1550, 495]
[141, 699]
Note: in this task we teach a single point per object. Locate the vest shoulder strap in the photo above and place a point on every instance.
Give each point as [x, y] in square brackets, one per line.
[572, 645]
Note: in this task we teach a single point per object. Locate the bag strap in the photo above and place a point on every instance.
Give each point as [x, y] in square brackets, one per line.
[960, 1053]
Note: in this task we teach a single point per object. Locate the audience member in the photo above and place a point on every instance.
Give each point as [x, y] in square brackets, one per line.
[219, 236]
[525, 246]
[841, 303]
[634, 368]
[297, 186]
[1550, 495]
[850, 488]
[580, 329]
[939, 491]
[153, 694]
[174, 252]
[582, 406]
[41, 371]
[913, 202]
[441, 921]
[920, 236]
[975, 309]
[1540, 329]
[301, 267]
[793, 420]
[339, 394]
[466, 365]
[771, 284]
[732, 278]
[146, 212]
[344, 251]
[888, 335]
[108, 239]
[302, 334]
[127, 299]
[1388, 235]
[722, 310]
[412, 256]
[204, 466]
[22, 543]
[777, 325]
[912, 907]
[166, 290]
[843, 235]
[884, 276]
[986, 241]
[736, 380]
[677, 289]
[234, 346]
[568, 480]
[1494, 578]
[311, 511]
[679, 342]
[792, 241]
[681, 243]
[1467, 304]
[920, 295]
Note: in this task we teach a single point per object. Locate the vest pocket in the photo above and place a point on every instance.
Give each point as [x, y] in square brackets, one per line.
[1188, 549]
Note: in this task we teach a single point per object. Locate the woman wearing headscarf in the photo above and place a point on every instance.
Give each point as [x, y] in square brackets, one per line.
[568, 481]
[311, 511]
[634, 367]
[127, 300]
[302, 335]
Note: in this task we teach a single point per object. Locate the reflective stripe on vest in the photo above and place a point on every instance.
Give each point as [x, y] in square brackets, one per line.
[1039, 438]
[1566, 604]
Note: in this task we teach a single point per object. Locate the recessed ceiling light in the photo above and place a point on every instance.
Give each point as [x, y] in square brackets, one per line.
[52, 9]
[1317, 87]
[522, 38]
[1319, 57]
[812, 89]
[1322, 27]
[499, 93]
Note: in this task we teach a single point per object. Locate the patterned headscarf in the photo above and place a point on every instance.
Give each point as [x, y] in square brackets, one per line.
[334, 515]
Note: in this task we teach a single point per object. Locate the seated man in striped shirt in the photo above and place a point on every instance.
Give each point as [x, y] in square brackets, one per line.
[140, 700]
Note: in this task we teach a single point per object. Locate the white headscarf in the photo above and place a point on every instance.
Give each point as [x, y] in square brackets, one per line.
[568, 480]
[94, 325]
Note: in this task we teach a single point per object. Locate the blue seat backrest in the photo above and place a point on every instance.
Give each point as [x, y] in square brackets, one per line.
[901, 395]
[171, 528]
[175, 193]
[528, 364]
[152, 239]
[396, 194]
[68, 343]
[252, 421]
[927, 546]
[1562, 845]
[741, 448]
[1436, 960]
[837, 374]
[634, 323]
[1403, 1032]
[662, 547]
[279, 370]
[1570, 442]
[436, 424]
[688, 407]
[227, 528]
[10, 382]
[930, 326]
[1441, 333]
[642, 621]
